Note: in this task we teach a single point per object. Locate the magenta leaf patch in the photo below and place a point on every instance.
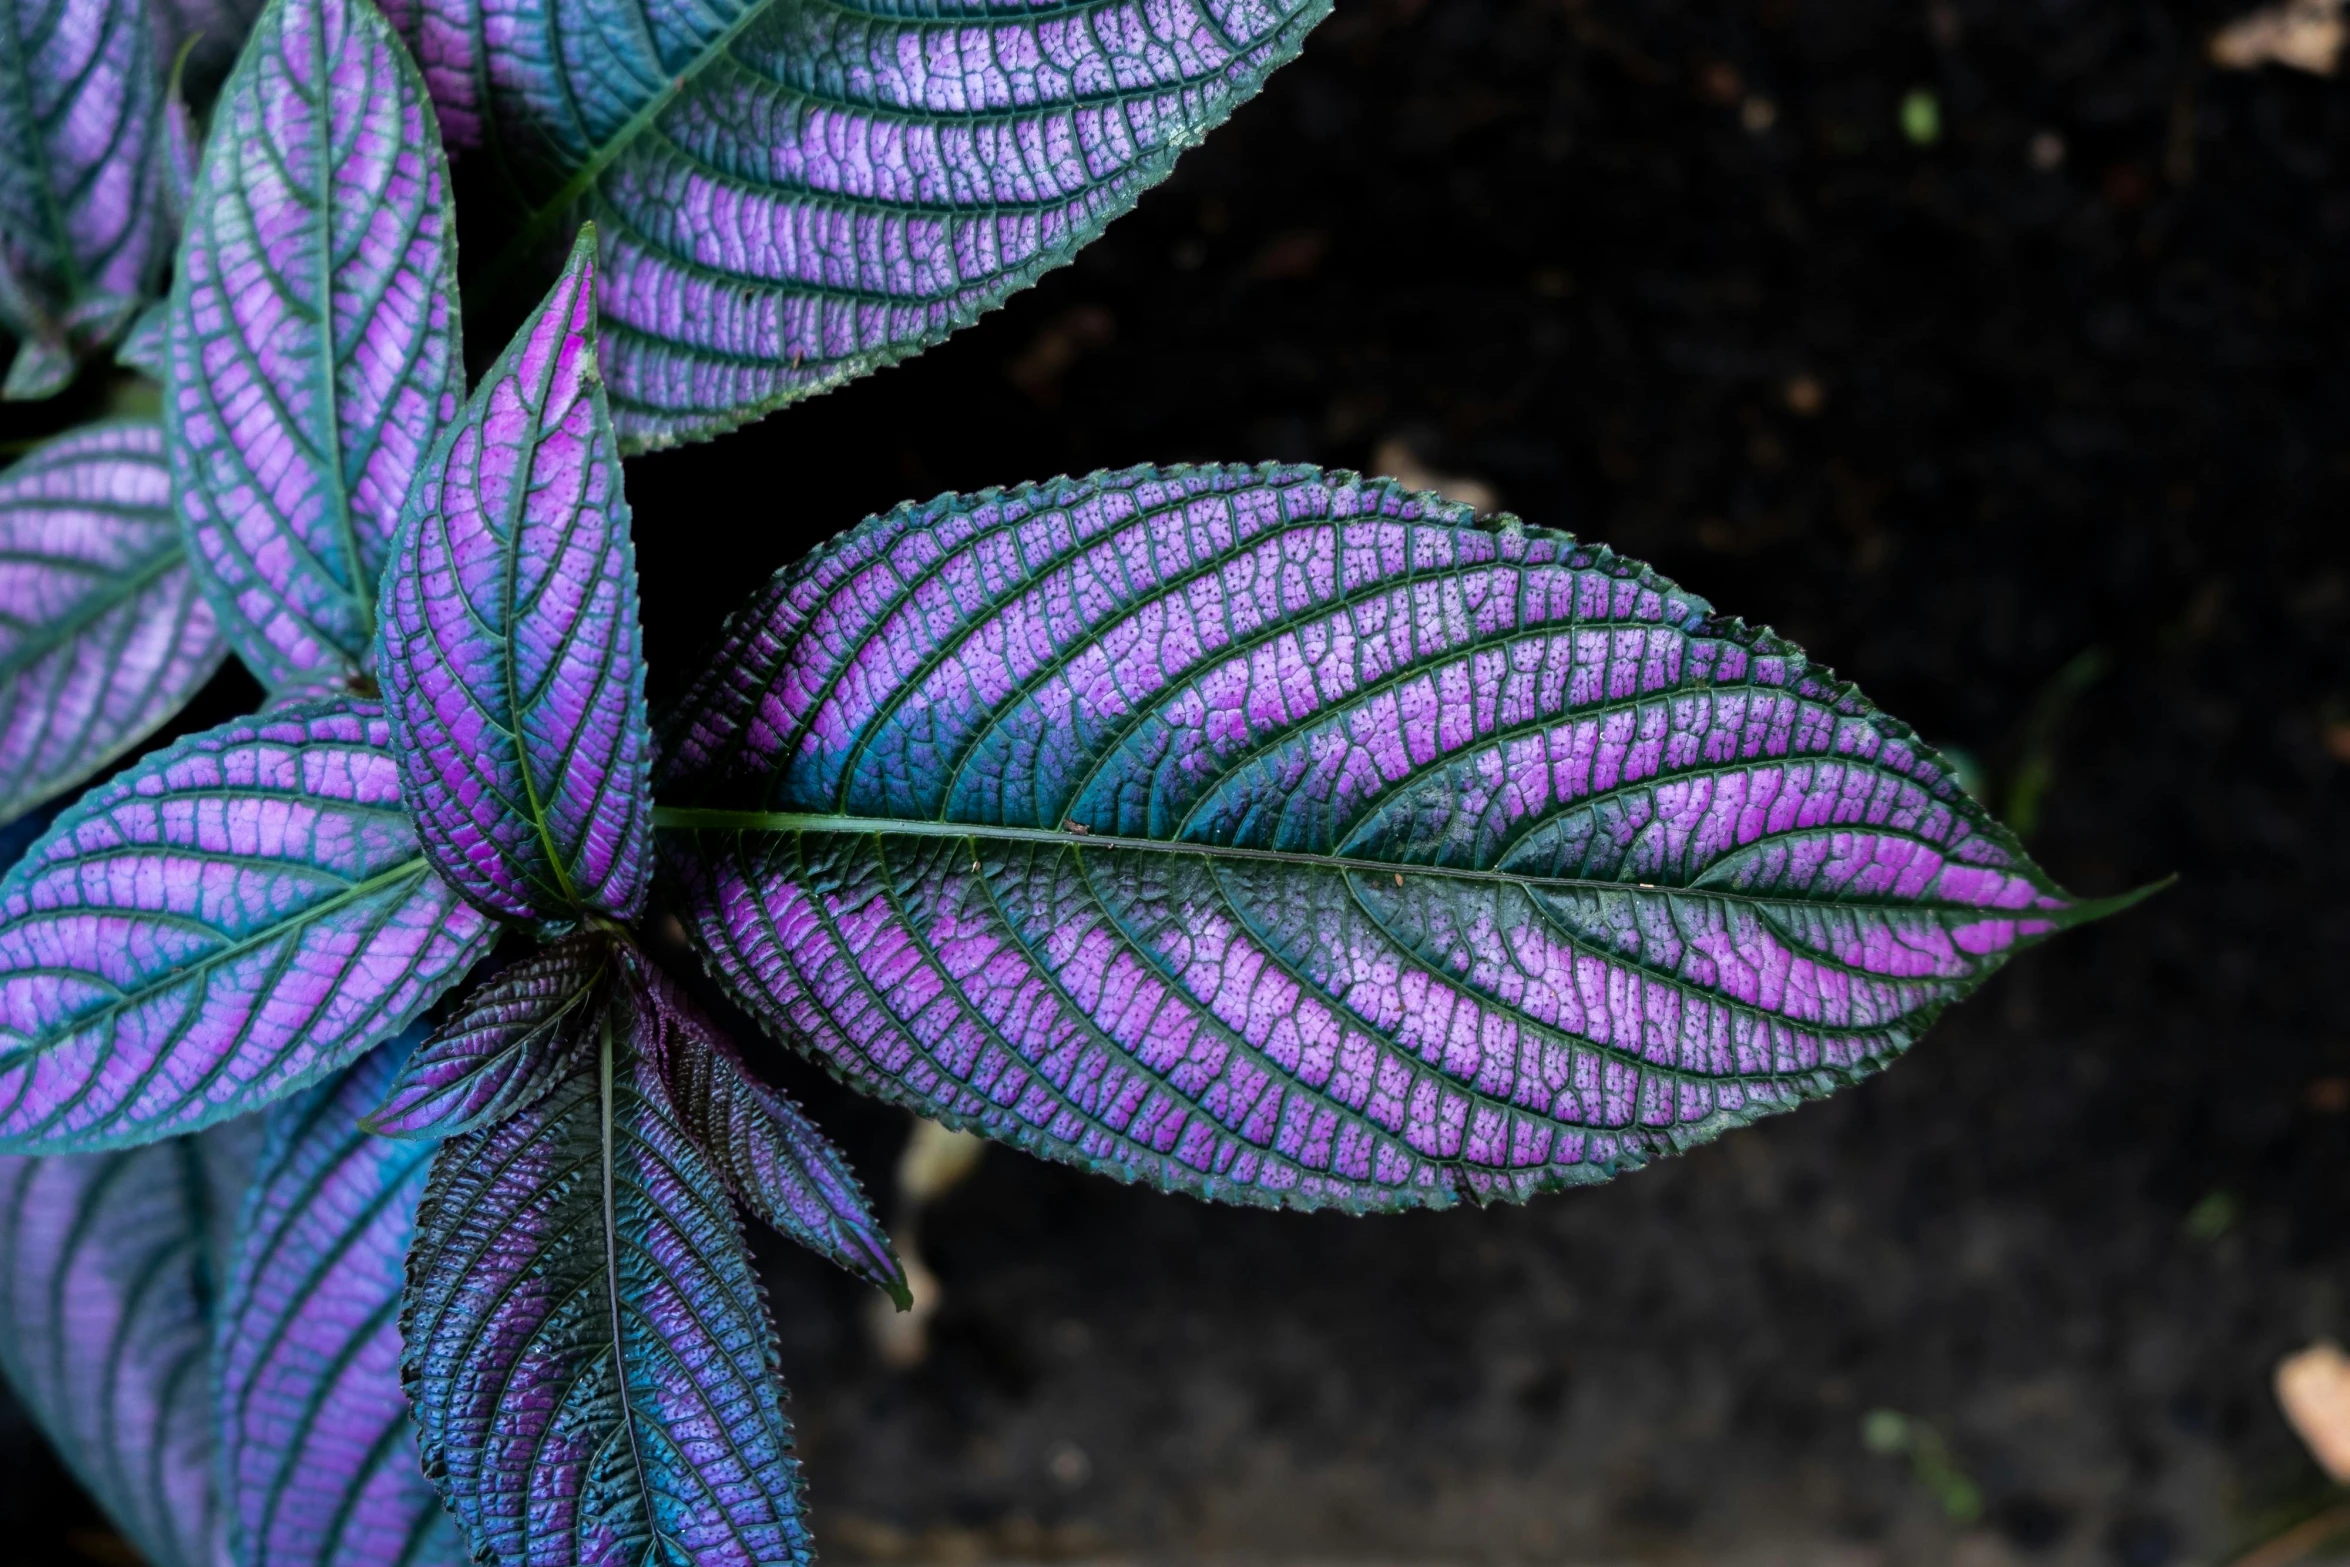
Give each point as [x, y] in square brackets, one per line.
[795, 192]
[319, 1460]
[1286, 837]
[587, 1348]
[225, 922]
[773, 1157]
[312, 351]
[103, 635]
[107, 1263]
[512, 664]
[508, 1044]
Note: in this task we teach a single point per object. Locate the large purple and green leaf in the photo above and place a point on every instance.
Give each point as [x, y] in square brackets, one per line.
[225, 922]
[1288, 837]
[794, 192]
[312, 347]
[103, 634]
[512, 665]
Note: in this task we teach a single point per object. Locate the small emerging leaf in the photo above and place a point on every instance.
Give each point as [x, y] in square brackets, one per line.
[588, 1352]
[313, 350]
[784, 1169]
[221, 924]
[507, 1046]
[103, 635]
[319, 1459]
[512, 664]
[1283, 837]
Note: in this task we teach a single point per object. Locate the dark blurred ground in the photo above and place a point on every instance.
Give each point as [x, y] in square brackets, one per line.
[1952, 415]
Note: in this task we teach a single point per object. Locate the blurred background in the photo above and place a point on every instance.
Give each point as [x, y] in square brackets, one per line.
[1997, 352]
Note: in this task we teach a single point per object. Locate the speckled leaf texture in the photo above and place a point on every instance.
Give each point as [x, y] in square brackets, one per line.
[107, 1277]
[103, 634]
[1286, 837]
[80, 237]
[773, 1157]
[312, 353]
[225, 922]
[512, 663]
[795, 192]
[507, 1045]
[319, 1464]
[588, 1352]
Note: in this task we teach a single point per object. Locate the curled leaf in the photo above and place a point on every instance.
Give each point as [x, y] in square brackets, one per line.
[1282, 837]
[219, 925]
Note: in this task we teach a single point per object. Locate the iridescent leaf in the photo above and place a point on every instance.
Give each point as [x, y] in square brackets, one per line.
[106, 1285]
[80, 93]
[1285, 837]
[103, 635]
[588, 1351]
[319, 1459]
[226, 921]
[777, 1162]
[312, 354]
[794, 192]
[506, 1047]
[512, 664]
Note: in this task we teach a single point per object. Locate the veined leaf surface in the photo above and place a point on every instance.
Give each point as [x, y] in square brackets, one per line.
[103, 635]
[227, 921]
[319, 1462]
[773, 1157]
[588, 1352]
[512, 665]
[795, 192]
[79, 237]
[107, 1277]
[1285, 837]
[312, 351]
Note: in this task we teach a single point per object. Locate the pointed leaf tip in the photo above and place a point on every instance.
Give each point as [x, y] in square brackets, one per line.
[512, 660]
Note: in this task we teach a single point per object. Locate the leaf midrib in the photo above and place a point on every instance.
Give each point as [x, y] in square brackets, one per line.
[120, 589]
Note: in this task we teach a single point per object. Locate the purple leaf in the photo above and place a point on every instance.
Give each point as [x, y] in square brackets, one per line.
[313, 350]
[794, 194]
[512, 664]
[506, 1047]
[225, 922]
[1284, 837]
[103, 635]
[106, 1270]
[588, 1352]
[80, 94]
[319, 1459]
[784, 1169]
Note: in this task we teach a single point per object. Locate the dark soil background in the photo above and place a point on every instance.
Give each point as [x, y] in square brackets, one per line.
[2071, 378]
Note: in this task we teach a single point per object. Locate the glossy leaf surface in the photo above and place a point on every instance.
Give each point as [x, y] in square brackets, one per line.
[224, 922]
[80, 96]
[512, 664]
[312, 352]
[794, 192]
[587, 1347]
[1284, 837]
[509, 1043]
[319, 1458]
[103, 634]
[107, 1278]
[773, 1157]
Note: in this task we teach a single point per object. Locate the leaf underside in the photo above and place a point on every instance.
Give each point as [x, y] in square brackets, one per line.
[225, 922]
[791, 193]
[1283, 837]
[587, 1349]
[103, 635]
[105, 1330]
[320, 1463]
[312, 351]
[512, 664]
